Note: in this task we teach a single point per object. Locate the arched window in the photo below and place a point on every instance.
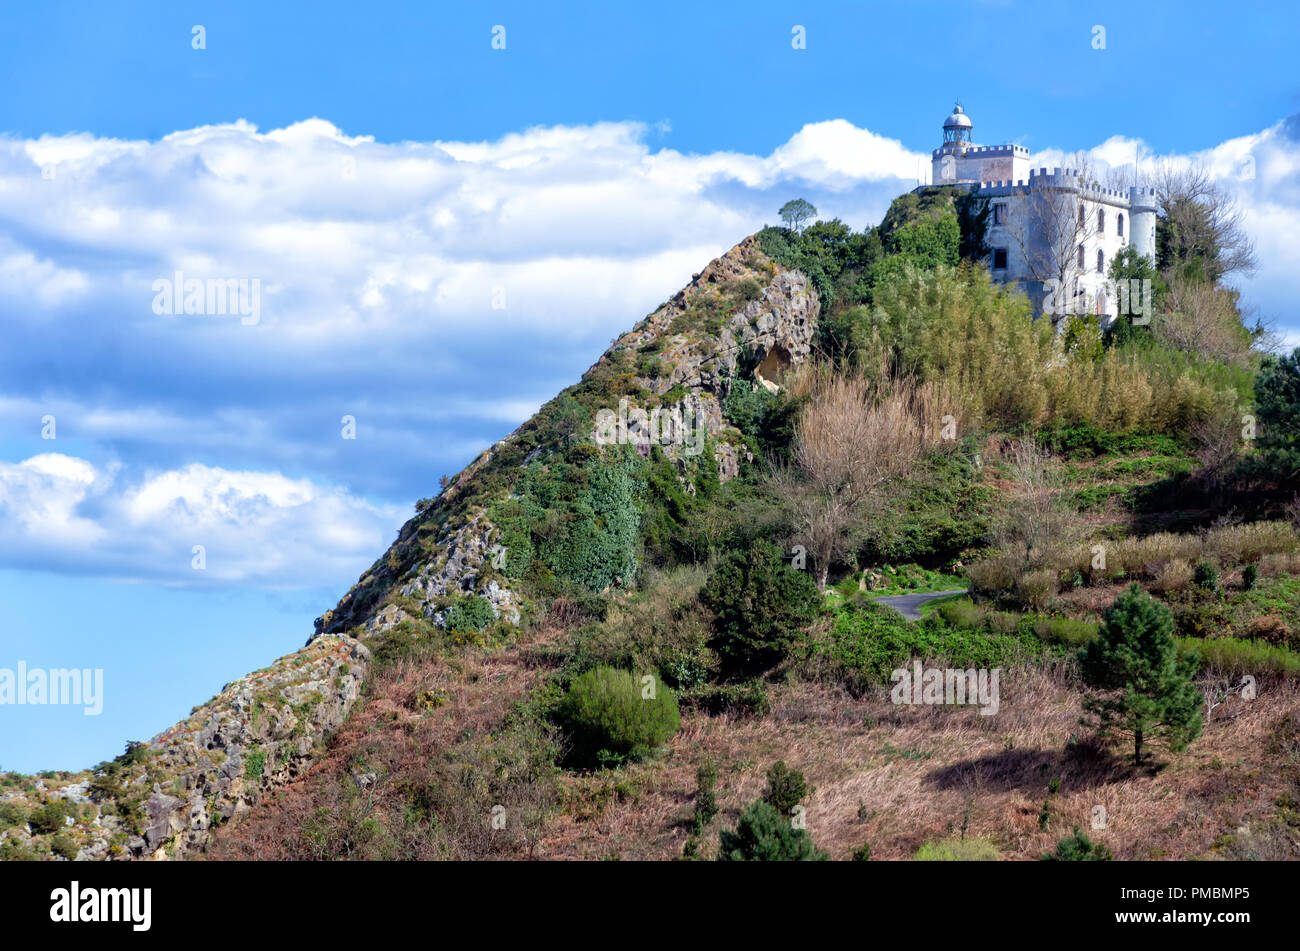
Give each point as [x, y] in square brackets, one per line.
[1101, 221]
[1101, 262]
[1120, 225]
[1081, 215]
[1081, 265]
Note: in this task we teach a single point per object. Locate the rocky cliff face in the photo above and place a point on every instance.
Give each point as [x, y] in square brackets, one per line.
[741, 315]
[231, 752]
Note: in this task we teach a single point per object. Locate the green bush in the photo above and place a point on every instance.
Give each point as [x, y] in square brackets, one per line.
[1234, 655]
[759, 603]
[11, 850]
[706, 801]
[764, 835]
[785, 788]
[611, 718]
[1064, 630]
[12, 814]
[1249, 577]
[470, 614]
[957, 850]
[867, 642]
[49, 817]
[1077, 847]
[254, 764]
[61, 845]
[1206, 576]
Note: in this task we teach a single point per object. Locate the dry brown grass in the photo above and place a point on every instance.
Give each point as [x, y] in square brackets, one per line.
[889, 775]
[897, 777]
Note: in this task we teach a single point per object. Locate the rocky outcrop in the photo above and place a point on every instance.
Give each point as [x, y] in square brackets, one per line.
[253, 737]
[769, 317]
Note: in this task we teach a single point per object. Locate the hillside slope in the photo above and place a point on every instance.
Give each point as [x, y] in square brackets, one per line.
[648, 528]
[164, 798]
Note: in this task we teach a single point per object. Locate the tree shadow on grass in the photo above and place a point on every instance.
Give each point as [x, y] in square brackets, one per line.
[1086, 763]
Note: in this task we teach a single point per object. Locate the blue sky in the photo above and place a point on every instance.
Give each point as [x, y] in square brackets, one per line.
[443, 235]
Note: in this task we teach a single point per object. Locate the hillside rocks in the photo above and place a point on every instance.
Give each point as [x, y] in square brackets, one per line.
[708, 335]
[254, 736]
[251, 738]
[742, 314]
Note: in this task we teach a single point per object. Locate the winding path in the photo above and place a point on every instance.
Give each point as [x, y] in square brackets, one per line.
[909, 605]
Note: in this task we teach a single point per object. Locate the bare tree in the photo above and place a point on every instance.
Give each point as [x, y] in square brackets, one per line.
[1204, 319]
[852, 441]
[1034, 518]
[1202, 222]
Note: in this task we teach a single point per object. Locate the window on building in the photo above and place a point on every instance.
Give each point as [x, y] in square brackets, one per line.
[1081, 265]
[999, 213]
[1101, 262]
[1120, 224]
[1081, 215]
[999, 259]
[1101, 221]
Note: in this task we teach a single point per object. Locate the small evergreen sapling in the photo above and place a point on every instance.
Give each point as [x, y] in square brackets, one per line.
[1136, 660]
[764, 835]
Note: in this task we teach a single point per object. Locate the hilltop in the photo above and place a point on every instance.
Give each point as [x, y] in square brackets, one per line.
[599, 638]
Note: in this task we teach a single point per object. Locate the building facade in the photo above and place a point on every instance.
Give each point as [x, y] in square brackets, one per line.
[1053, 231]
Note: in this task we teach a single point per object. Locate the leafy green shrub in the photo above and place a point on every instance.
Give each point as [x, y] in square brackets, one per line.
[611, 718]
[49, 817]
[254, 764]
[706, 801]
[470, 614]
[862, 853]
[785, 788]
[867, 642]
[1064, 630]
[1249, 577]
[62, 846]
[11, 815]
[1206, 576]
[1077, 847]
[957, 850]
[962, 612]
[759, 603]
[764, 835]
[12, 850]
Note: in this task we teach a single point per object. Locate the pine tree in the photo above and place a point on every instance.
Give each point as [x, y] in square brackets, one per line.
[1077, 847]
[764, 835]
[1150, 687]
[785, 788]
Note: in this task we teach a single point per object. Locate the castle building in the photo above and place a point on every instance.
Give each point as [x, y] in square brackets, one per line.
[1051, 230]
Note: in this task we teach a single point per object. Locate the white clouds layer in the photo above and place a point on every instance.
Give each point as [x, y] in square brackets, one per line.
[253, 527]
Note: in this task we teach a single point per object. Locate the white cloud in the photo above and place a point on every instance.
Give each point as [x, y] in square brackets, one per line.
[256, 528]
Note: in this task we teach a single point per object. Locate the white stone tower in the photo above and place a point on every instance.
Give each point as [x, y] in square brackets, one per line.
[1142, 209]
[960, 160]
